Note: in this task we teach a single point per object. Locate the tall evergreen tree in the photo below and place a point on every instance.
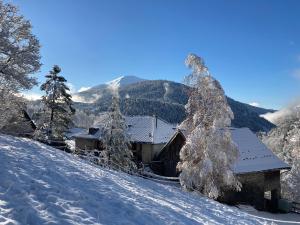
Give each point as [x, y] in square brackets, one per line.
[207, 157]
[58, 110]
[116, 140]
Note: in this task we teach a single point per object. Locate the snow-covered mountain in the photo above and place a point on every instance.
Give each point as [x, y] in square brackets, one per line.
[124, 80]
[43, 185]
[163, 98]
[166, 99]
[92, 94]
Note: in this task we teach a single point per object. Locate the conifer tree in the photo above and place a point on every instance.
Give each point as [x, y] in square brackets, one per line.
[208, 155]
[58, 109]
[116, 140]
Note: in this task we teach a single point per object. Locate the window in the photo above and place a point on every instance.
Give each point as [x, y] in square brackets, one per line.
[268, 195]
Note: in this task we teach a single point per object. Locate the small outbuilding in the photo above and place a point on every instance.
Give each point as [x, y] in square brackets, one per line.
[89, 141]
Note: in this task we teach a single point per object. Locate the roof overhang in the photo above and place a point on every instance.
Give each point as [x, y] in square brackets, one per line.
[263, 171]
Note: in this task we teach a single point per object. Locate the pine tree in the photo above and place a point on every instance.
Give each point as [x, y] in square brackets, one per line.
[116, 154]
[58, 110]
[207, 157]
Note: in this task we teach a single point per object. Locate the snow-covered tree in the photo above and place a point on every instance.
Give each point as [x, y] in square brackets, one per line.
[284, 141]
[58, 110]
[83, 119]
[19, 57]
[8, 107]
[116, 140]
[208, 155]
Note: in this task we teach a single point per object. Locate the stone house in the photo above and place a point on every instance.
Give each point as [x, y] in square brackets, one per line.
[257, 168]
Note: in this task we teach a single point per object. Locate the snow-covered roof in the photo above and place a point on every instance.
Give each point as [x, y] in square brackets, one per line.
[144, 129]
[74, 132]
[254, 155]
[96, 134]
[86, 136]
[149, 129]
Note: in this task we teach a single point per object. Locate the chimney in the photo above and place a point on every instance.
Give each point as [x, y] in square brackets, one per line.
[155, 117]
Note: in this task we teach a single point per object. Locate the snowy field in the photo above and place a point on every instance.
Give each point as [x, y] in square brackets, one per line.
[42, 185]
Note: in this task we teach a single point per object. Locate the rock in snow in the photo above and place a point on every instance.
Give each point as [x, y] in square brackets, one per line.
[42, 185]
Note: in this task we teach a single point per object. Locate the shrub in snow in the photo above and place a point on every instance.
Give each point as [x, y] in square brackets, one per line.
[56, 116]
[207, 157]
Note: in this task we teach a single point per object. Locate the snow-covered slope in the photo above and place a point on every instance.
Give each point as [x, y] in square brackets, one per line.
[42, 185]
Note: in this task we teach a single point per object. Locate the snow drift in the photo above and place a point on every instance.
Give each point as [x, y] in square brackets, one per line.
[42, 185]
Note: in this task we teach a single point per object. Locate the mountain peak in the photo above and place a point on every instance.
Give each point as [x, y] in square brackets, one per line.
[124, 80]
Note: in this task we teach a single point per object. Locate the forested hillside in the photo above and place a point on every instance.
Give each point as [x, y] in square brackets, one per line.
[167, 100]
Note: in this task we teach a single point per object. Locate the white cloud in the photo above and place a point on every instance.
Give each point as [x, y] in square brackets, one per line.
[276, 116]
[83, 89]
[256, 104]
[31, 96]
[72, 87]
[74, 90]
[281, 114]
[91, 99]
[77, 98]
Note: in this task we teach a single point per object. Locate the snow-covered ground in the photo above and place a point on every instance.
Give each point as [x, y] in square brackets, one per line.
[278, 218]
[42, 185]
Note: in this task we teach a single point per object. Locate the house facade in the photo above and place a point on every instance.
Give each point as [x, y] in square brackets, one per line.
[165, 162]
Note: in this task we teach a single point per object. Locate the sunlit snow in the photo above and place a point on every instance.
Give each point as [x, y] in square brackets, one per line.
[41, 185]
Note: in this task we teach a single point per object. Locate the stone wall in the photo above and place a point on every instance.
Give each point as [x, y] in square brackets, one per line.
[254, 186]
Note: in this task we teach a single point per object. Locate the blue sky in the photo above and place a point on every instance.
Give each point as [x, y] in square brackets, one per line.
[252, 47]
